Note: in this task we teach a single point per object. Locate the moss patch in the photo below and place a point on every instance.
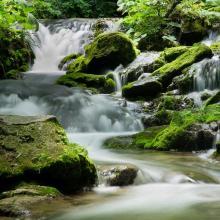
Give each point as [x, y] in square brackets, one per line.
[142, 140]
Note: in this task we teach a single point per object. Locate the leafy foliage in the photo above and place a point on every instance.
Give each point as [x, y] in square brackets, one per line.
[162, 19]
[15, 18]
[74, 8]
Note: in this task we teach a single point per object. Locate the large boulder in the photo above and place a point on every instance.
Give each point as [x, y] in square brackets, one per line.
[106, 52]
[167, 72]
[36, 149]
[147, 88]
[96, 83]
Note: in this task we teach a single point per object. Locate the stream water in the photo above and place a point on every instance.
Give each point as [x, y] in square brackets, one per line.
[169, 186]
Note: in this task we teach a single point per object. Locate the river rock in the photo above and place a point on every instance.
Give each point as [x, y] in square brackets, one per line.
[147, 88]
[36, 149]
[118, 175]
[16, 203]
[106, 52]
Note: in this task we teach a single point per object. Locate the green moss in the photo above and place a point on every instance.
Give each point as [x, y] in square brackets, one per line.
[167, 72]
[37, 150]
[140, 140]
[68, 59]
[106, 52]
[90, 81]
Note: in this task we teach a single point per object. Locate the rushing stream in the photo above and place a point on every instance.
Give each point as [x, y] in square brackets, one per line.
[169, 186]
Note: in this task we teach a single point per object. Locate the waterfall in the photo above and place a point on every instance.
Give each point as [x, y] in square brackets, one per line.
[52, 43]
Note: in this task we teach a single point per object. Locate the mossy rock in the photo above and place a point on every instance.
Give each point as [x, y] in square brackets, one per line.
[36, 149]
[97, 83]
[16, 203]
[145, 89]
[214, 99]
[66, 60]
[106, 52]
[161, 117]
[215, 48]
[142, 140]
[189, 130]
[170, 70]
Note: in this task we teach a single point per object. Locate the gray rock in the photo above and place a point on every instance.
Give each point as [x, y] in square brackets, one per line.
[118, 175]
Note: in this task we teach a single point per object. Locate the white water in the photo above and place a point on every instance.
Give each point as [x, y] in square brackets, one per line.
[53, 45]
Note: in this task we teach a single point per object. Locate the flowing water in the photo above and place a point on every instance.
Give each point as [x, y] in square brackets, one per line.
[169, 186]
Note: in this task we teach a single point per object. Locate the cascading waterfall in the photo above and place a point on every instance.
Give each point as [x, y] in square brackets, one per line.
[52, 43]
[91, 119]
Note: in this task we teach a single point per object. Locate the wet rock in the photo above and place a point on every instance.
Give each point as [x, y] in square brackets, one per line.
[146, 89]
[16, 203]
[36, 149]
[118, 175]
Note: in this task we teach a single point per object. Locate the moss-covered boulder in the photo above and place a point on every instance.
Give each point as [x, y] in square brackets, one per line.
[107, 51]
[36, 149]
[67, 59]
[189, 130]
[145, 89]
[170, 70]
[17, 203]
[96, 83]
